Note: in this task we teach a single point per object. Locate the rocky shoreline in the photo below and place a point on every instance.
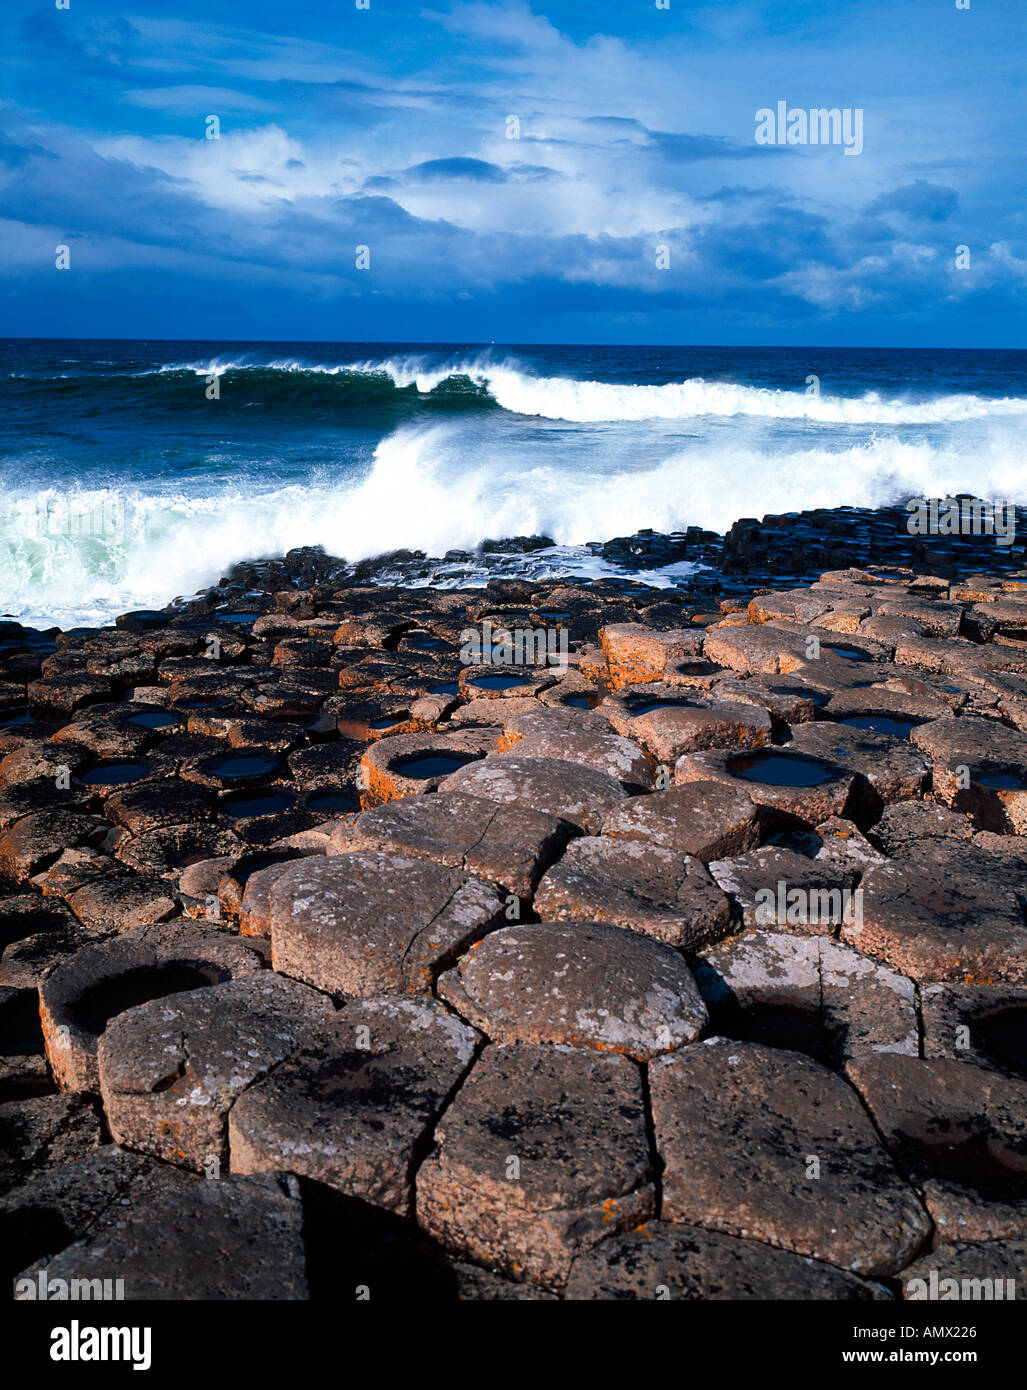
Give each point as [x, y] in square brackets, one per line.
[686, 958]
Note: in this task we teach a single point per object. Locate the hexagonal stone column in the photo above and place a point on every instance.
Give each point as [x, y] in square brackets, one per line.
[80, 997]
[985, 1025]
[808, 994]
[574, 793]
[635, 653]
[948, 911]
[960, 1134]
[508, 845]
[768, 1145]
[542, 1154]
[354, 1108]
[705, 819]
[376, 923]
[582, 984]
[178, 1236]
[668, 723]
[618, 757]
[633, 884]
[171, 1070]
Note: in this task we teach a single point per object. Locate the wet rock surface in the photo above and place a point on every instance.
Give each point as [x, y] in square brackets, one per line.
[695, 962]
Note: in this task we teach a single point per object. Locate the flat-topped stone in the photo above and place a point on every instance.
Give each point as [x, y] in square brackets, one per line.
[551, 719]
[582, 984]
[669, 722]
[665, 1261]
[903, 824]
[579, 795]
[959, 1134]
[354, 1106]
[764, 648]
[633, 883]
[788, 699]
[34, 840]
[636, 654]
[618, 757]
[542, 1154]
[153, 804]
[709, 820]
[807, 995]
[980, 768]
[174, 1235]
[949, 910]
[44, 1132]
[373, 922]
[768, 1145]
[123, 901]
[508, 845]
[777, 887]
[977, 1022]
[171, 1070]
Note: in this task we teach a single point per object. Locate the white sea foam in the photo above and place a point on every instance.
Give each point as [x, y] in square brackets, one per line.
[427, 490]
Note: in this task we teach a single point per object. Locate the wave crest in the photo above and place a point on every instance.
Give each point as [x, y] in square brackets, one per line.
[478, 383]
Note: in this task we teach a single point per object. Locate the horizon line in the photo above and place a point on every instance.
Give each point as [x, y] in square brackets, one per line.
[469, 342]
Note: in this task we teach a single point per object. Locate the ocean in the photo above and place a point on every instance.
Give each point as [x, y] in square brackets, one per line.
[137, 472]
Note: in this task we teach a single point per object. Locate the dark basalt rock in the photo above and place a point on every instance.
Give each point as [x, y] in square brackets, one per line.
[304, 756]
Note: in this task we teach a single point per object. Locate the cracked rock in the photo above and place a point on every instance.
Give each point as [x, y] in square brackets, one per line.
[704, 819]
[171, 1070]
[959, 1134]
[354, 1107]
[375, 923]
[631, 883]
[508, 845]
[808, 995]
[573, 793]
[542, 1154]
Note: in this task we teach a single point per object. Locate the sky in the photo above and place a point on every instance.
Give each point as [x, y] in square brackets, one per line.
[552, 171]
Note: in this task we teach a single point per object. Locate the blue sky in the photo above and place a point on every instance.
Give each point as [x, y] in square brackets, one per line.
[388, 127]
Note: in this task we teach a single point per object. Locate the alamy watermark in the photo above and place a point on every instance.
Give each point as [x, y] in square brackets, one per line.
[73, 516]
[962, 516]
[965, 1290]
[519, 646]
[43, 1288]
[784, 906]
[820, 125]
